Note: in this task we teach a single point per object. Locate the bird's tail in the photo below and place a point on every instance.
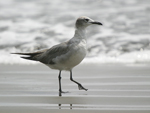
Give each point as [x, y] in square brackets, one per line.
[30, 56]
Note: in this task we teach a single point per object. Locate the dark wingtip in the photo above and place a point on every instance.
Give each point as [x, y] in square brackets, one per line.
[13, 53]
[28, 58]
[22, 53]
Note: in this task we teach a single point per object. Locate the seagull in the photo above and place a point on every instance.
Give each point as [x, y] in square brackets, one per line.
[66, 55]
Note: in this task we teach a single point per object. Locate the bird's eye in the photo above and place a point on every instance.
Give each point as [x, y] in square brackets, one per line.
[86, 20]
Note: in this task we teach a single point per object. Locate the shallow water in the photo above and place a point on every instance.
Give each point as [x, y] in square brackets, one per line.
[28, 25]
[111, 88]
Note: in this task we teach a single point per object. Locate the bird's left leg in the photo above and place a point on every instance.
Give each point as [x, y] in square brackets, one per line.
[59, 78]
[79, 85]
[60, 90]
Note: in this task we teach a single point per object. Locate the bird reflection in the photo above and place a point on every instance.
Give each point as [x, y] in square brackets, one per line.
[60, 105]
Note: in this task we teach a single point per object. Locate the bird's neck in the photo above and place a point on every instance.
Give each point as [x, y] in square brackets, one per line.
[80, 33]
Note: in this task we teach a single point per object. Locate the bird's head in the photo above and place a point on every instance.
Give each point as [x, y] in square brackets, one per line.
[83, 22]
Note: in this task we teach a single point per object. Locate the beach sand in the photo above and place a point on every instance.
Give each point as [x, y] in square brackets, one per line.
[112, 88]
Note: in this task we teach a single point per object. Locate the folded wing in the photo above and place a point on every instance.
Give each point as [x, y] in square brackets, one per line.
[46, 56]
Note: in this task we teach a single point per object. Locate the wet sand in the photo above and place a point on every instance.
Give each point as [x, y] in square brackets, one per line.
[111, 89]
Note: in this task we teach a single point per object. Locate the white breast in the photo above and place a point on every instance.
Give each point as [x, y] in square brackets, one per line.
[72, 58]
[78, 53]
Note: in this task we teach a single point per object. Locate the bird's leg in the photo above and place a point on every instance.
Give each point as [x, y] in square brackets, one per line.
[60, 90]
[79, 85]
[59, 78]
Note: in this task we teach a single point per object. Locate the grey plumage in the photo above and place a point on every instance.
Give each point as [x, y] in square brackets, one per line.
[46, 56]
[66, 55]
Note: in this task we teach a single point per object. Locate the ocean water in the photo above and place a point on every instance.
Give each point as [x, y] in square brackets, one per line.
[31, 25]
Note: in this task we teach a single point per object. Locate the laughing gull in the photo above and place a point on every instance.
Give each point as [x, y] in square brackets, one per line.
[66, 55]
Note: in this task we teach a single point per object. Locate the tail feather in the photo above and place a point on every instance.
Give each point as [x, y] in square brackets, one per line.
[30, 56]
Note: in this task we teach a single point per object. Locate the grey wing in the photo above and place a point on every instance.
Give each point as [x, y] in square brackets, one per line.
[48, 56]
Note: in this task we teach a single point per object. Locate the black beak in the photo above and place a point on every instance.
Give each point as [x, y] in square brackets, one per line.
[96, 22]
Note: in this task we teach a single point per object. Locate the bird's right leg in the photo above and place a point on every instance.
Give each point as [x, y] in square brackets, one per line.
[79, 85]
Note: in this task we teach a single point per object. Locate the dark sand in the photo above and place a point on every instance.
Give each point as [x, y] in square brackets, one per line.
[111, 89]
